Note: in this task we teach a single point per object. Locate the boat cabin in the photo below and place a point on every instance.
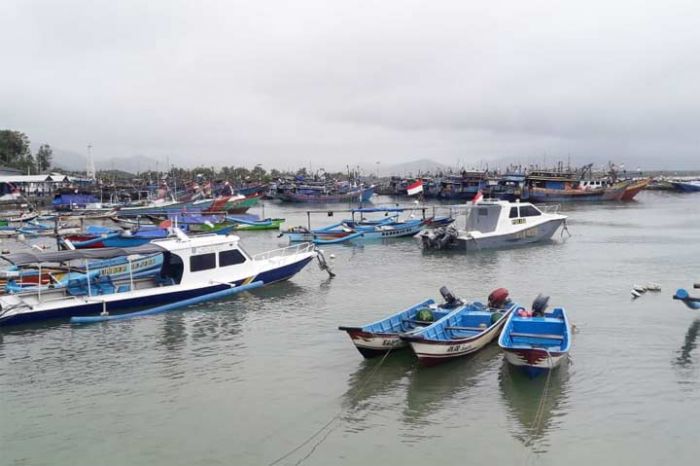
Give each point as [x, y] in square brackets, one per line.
[492, 215]
[187, 261]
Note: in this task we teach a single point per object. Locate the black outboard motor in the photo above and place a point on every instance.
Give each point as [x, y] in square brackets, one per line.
[539, 305]
[451, 301]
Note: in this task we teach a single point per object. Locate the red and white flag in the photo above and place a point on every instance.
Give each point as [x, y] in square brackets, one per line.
[477, 197]
[415, 188]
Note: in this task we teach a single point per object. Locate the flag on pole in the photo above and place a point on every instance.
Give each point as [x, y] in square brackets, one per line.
[415, 188]
[477, 197]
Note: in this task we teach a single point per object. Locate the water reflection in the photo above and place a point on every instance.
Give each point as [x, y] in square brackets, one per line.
[685, 356]
[533, 404]
[374, 378]
[430, 388]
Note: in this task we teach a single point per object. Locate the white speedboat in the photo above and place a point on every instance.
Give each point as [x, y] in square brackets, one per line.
[191, 267]
[494, 224]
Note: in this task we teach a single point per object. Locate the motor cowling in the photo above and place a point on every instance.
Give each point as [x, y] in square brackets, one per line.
[539, 305]
[498, 298]
[451, 300]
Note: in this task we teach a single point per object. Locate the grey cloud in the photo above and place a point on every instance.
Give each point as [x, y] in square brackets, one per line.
[288, 83]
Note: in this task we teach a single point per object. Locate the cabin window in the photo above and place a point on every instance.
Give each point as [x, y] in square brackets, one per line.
[514, 212]
[202, 262]
[529, 211]
[231, 257]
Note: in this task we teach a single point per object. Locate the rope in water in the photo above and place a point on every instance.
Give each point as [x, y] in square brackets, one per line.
[337, 417]
[539, 413]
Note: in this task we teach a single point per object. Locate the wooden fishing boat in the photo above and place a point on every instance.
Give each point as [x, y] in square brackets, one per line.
[537, 341]
[384, 335]
[192, 267]
[321, 194]
[339, 233]
[463, 331]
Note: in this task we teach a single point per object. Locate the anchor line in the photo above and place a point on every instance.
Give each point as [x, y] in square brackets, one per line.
[337, 417]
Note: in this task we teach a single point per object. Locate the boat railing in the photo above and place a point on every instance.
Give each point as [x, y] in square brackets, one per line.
[293, 250]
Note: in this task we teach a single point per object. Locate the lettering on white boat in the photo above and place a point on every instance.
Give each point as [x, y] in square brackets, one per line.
[392, 342]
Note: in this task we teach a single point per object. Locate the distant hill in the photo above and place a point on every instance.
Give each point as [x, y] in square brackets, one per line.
[74, 161]
[408, 168]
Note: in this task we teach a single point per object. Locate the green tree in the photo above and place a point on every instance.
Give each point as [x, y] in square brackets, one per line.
[14, 148]
[43, 157]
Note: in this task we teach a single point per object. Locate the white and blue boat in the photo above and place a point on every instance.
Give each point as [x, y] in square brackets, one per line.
[192, 267]
[537, 341]
[465, 330]
[382, 336]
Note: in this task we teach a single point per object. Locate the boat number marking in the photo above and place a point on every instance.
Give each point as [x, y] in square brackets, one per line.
[518, 221]
[392, 342]
[457, 348]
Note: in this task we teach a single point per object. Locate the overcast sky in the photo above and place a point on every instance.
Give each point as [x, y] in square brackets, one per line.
[329, 82]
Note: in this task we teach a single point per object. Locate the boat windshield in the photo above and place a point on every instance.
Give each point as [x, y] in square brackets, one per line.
[484, 218]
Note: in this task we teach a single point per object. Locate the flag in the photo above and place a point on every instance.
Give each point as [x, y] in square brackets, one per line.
[415, 188]
[166, 224]
[477, 197]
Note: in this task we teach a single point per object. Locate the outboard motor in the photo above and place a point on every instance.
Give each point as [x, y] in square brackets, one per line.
[451, 301]
[539, 305]
[498, 298]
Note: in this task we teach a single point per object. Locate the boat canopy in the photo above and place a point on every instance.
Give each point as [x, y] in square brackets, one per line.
[29, 257]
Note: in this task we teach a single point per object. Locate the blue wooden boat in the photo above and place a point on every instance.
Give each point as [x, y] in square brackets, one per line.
[339, 233]
[690, 301]
[384, 335]
[537, 341]
[20, 280]
[465, 330]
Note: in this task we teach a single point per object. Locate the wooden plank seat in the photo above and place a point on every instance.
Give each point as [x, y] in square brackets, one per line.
[419, 322]
[544, 336]
[476, 329]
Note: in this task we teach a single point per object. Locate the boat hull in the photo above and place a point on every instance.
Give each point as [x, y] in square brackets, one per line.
[685, 187]
[534, 361]
[432, 352]
[362, 195]
[371, 345]
[534, 234]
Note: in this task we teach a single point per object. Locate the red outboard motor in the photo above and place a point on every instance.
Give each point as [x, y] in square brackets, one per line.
[498, 298]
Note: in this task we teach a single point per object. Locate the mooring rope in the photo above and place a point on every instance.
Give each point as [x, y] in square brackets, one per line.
[338, 416]
[539, 414]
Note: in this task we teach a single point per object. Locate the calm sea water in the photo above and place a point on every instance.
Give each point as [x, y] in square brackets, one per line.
[250, 379]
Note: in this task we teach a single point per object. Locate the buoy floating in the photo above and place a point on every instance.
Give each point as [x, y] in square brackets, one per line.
[635, 294]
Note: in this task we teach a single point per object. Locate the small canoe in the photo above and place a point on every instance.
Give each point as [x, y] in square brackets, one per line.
[536, 343]
[464, 331]
[245, 225]
[384, 335]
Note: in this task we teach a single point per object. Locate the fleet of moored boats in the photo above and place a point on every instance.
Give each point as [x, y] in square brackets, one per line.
[166, 253]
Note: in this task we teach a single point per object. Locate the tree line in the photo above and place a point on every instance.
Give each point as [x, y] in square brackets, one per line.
[15, 152]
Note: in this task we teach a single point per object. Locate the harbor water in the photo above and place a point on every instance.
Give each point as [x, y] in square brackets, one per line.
[266, 376]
